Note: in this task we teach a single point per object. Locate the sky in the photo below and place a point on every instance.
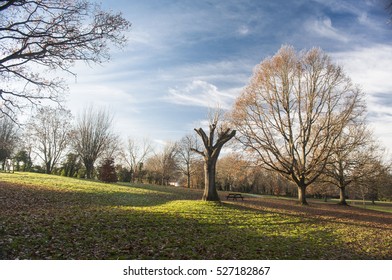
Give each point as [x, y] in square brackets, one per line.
[184, 57]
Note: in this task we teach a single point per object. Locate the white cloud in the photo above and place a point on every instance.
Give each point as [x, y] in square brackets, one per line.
[371, 68]
[363, 18]
[243, 30]
[140, 37]
[203, 94]
[234, 72]
[101, 95]
[323, 27]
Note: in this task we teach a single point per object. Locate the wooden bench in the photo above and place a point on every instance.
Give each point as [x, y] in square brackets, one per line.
[234, 196]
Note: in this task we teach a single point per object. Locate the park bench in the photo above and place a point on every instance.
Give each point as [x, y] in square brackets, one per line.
[234, 196]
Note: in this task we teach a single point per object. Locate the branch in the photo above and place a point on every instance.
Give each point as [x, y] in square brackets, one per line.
[7, 5]
[198, 152]
[52, 35]
[203, 136]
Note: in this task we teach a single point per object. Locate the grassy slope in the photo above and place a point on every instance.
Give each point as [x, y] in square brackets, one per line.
[49, 217]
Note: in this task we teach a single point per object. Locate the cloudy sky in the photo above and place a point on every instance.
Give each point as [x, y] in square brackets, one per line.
[186, 56]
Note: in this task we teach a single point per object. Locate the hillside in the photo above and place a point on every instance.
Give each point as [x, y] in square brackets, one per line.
[51, 217]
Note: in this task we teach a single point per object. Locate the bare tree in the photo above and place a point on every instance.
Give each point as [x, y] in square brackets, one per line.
[213, 143]
[385, 178]
[37, 37]
[113, 149]
[93, 135]
[163, 165]
[346, 157]
[8, 137]
[50, 130]
[186, 156]
[292, 112]
[370, 172]
[168, 162]
[135, 156]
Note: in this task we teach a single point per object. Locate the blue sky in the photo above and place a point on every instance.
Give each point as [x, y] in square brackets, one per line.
[186, 56]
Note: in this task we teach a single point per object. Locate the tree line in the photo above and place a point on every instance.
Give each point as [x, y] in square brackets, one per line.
[299, 126]
[87, 147]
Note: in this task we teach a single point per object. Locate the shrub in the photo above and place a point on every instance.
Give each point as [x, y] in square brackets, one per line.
[123, 174]
[107, 171]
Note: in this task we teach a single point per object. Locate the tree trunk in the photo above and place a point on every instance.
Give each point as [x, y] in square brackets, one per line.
[89, 169]
[342, 196]
[189, 181]
[48, 169]
[211, 154]
[188, 175]
[302, 194]
[210, 192]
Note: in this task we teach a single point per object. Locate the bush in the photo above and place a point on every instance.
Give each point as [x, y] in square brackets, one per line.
[107, 171]
[123, 174]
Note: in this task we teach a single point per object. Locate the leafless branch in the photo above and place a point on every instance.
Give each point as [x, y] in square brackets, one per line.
[39, 37]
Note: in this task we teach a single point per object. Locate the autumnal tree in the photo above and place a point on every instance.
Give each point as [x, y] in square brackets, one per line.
[162, 167]
[219, 134]
[93, 135]
[40, 38]
[50, 130]
[292, 112]
[233, 173]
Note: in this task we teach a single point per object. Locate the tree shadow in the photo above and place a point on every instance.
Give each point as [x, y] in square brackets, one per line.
[316, 211]
[44, 224]
[16, 196]
[125, 234]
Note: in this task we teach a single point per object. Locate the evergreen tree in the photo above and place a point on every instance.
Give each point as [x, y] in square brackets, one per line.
[107, 171]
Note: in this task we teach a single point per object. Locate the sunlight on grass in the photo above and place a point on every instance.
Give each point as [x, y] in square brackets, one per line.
[52, 217]
[53, 183]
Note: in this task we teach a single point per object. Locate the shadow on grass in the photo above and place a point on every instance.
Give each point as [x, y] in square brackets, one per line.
[124, 234]
[15, 196]
[331, 212]
[43, 224]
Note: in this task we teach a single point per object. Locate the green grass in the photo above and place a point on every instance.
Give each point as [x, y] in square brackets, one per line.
[377, 207]
[381, 206]
[51, 217]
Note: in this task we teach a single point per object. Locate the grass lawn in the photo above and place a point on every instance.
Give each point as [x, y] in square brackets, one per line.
[51, 217]
[376, 207]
